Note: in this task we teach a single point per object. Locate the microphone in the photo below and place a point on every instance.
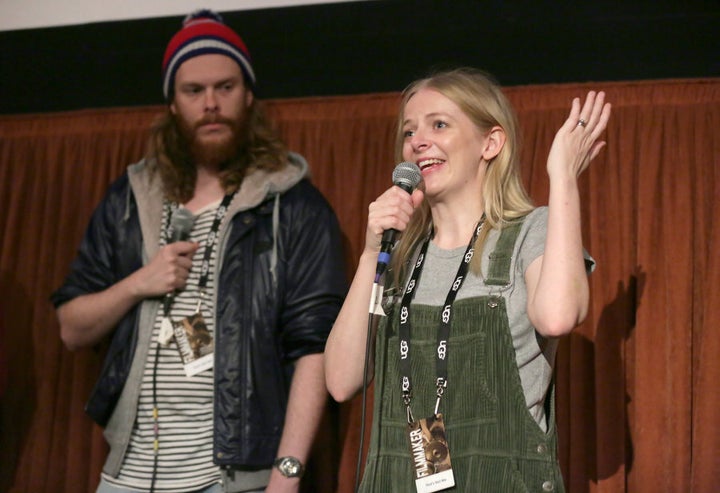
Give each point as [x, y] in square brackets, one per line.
[407, 176]
[181, 223]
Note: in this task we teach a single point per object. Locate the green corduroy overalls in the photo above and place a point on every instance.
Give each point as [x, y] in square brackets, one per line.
[495, 444]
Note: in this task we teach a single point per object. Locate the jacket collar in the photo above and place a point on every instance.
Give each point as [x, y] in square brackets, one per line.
[255, 189]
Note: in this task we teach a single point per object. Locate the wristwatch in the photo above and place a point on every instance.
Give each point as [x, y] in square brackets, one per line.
[290, 467]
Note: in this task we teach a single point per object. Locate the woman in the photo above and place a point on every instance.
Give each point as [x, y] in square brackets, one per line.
[465, 375]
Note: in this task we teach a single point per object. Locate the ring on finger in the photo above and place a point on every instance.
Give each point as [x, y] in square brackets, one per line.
[581, 123]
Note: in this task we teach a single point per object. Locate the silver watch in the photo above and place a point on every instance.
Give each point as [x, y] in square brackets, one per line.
[290, 467]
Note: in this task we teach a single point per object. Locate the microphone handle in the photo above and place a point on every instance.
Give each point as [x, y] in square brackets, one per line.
[167, 303]
[179, 234]
[388, 238]
[405, 186]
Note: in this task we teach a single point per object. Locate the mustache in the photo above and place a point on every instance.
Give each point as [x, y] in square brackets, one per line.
[215, 119]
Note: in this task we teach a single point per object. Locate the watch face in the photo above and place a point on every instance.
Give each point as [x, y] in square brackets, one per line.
[290, 467]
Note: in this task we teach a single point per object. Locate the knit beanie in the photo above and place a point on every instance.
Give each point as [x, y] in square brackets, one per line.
[203, 32]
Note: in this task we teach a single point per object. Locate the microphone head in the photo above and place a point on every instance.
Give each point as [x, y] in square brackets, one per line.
[181, 223]
[407, 176]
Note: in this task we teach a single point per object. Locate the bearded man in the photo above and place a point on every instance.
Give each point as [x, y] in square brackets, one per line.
[215, 269]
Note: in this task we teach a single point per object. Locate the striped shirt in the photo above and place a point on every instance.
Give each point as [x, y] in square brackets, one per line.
[185, 413]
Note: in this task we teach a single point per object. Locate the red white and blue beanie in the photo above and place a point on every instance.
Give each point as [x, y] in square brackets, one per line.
[203, 32]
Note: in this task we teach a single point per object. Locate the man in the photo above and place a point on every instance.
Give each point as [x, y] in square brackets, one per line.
[218, 319]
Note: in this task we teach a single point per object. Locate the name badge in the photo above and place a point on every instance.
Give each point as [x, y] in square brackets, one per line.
[430, 455]
[195, 344]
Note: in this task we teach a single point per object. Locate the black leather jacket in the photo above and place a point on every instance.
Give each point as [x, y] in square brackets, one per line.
[280, 286]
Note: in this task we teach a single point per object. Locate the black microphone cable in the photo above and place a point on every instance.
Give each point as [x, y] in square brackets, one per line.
[364, 403]
[366, 367]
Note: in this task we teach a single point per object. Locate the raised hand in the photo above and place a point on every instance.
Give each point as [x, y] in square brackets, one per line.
[576, 142]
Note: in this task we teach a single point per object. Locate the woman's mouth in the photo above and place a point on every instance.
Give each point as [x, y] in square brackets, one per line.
[428, 164]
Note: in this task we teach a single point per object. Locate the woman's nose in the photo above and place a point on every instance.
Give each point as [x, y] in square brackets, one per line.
[419, 142]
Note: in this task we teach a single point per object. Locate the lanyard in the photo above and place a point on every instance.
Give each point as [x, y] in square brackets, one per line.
[209, 242]
[441, 355]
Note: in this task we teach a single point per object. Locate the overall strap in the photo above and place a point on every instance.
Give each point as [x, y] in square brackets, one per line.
[501, 258]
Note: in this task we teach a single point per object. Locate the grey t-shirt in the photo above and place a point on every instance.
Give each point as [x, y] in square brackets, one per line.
[535, 355]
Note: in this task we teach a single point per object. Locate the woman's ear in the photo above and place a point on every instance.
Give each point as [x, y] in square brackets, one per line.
[494, 143]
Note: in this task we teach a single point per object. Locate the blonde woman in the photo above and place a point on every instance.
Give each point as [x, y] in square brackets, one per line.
[480, 286]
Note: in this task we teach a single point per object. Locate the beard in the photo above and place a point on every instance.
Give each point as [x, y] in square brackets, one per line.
[211, 151]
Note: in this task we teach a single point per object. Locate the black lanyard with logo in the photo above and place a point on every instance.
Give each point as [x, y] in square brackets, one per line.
[209, 243]
[443, 330]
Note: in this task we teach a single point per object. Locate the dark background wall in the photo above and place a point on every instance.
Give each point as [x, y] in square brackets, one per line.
[372, 46]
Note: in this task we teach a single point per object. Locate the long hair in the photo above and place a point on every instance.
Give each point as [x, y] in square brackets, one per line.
[170, 156]
[504, 198]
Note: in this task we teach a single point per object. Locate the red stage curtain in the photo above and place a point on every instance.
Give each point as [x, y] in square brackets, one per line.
[637, 382]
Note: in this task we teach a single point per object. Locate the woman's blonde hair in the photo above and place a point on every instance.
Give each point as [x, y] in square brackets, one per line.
[480, 98]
